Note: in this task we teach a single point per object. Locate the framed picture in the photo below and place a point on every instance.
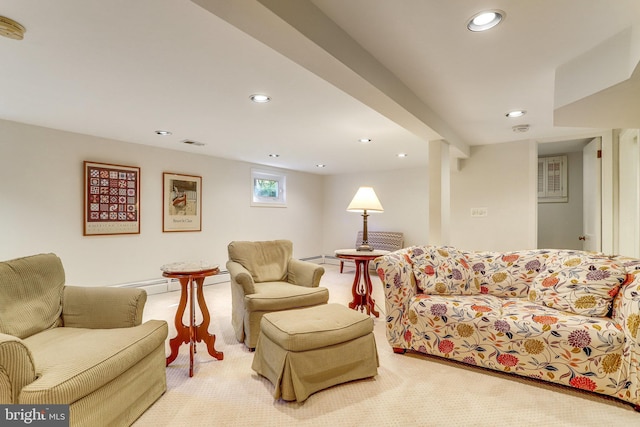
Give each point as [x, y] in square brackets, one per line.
[111, 199]
[268, 188]
[181, 202]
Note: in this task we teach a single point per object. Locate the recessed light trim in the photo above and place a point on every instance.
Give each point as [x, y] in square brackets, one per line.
[402, 155]
[515, 114]
[260, 98]
[191, 142]
[364, 140]
[485, 20]
[163, 132]
[274, 155]
[320, 165]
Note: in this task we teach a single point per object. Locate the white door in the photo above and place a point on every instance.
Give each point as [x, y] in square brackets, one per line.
[592, 189]
[629, 200]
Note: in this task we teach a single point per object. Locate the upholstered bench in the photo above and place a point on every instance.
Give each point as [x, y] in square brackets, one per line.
[306, 350]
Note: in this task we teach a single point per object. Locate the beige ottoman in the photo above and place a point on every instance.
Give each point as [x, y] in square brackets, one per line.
[309, 349]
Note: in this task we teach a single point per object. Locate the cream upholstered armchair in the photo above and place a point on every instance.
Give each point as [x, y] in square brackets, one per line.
[265, 278]
[82, 346]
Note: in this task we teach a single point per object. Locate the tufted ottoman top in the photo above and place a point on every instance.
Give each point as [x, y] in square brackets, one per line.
[315, 327]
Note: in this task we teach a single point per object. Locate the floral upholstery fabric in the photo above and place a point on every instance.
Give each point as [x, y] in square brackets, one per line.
[505, 274]
[578, 283]
[442, 270]
[511, 334]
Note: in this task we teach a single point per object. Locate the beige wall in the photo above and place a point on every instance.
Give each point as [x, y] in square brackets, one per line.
[500, 178]
[41, 188]
[403, 195]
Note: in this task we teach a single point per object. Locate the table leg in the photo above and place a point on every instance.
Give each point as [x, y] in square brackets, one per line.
[183, 332]
[370, 302]
[361, 290]
[202, 330]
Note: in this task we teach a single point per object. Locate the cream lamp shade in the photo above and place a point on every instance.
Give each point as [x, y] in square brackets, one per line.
[365, 200]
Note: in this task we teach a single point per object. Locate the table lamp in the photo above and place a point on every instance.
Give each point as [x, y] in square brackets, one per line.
[365, 200]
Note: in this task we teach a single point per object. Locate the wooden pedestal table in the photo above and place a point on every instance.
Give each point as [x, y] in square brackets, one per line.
[362, 289]
[188, 274]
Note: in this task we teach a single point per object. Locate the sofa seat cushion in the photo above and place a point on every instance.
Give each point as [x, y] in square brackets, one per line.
[579, 351]
[73, 362]
[275, 296]
[505, 274]
[452, 308]
[579, 283]
[442, 271]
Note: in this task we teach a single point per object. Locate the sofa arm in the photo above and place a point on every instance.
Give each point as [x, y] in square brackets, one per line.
[396, 273]
[626, 314]
[102, 307]
[16, 368]
[241, 276]
[304, 273]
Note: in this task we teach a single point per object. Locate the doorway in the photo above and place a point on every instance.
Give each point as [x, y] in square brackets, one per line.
[560, 224]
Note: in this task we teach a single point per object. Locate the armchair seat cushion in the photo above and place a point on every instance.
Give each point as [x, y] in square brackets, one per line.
[276, 296]
[73, 362]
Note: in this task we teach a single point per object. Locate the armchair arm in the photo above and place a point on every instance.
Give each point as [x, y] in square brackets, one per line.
[396, 273]
[16, 368]
[241, 276]
[304, 273]
[102, 307]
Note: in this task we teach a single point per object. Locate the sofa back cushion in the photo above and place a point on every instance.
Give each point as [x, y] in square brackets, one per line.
[267, 261]
[578, 282]
[505, 274]
[442, 270]
[31, 291]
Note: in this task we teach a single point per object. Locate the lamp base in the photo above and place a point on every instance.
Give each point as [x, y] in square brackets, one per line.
[365, 247]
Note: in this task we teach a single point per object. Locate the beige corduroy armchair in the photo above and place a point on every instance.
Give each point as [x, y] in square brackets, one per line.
[265, 278]
[82, 346]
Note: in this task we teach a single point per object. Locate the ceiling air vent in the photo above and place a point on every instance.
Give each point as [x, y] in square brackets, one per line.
[520, 128]
[196, 143]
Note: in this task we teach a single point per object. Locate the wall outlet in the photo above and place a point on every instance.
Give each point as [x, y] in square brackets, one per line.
[479, 212]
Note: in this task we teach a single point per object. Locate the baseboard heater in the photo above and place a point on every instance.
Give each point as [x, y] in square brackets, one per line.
[162, 284]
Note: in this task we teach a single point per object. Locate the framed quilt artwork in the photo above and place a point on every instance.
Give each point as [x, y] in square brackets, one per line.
[181, 202]
[111, 199]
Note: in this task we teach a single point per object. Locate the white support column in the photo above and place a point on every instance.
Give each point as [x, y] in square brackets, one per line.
[439, 193]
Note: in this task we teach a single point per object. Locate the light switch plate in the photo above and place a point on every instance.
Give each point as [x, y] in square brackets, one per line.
[479, 212]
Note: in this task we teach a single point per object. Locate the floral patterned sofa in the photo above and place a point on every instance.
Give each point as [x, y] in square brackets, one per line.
[568, 317]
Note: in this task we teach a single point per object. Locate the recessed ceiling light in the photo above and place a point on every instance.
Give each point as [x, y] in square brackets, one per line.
[320, 165]
[364, 140]
[515, 113]
[191, 142]
[485, 20]
[260, 98]
[163, 132]
[402, 155]
[274, 155]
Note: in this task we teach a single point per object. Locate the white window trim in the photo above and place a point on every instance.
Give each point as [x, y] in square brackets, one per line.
[546, 194]
[279, 201]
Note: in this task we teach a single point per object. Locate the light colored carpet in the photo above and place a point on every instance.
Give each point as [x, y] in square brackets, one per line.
[409, 389]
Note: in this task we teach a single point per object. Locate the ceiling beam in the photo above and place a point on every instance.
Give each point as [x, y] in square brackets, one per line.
[298, 30]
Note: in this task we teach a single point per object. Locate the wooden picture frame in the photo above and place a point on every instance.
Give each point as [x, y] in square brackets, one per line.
[111, 199]
[181, 202]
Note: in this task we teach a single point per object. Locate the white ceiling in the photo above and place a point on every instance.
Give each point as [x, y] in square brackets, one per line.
[400, 72]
